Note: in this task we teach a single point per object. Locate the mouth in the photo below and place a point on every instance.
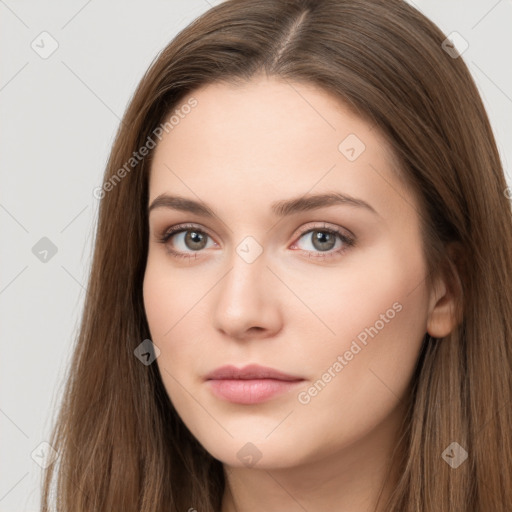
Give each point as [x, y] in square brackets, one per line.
[250, 385]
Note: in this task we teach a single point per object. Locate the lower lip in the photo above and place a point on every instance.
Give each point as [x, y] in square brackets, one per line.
[250, 391]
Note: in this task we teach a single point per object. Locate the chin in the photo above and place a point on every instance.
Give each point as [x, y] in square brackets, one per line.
[258, 453]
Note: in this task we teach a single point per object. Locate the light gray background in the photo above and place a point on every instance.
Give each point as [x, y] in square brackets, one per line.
[58, 118]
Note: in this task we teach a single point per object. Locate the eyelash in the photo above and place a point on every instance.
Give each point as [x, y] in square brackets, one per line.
[347, 241]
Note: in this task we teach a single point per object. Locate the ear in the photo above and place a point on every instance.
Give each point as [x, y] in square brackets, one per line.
[445, 311]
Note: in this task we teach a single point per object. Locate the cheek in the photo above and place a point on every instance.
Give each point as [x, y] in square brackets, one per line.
[361, 379]
[169, 296]
[174, 306]
[154, 303]
[372, 293]
[387, 309]
[361, 373]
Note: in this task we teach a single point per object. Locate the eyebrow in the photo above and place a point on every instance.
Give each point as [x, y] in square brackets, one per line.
[281, 208]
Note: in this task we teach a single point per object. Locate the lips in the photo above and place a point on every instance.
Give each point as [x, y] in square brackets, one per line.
[252, 371]
[250, 385]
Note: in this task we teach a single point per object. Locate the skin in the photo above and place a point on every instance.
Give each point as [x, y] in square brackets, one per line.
[239, 150]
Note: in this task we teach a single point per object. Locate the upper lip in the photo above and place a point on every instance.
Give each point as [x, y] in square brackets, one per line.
[252, 371]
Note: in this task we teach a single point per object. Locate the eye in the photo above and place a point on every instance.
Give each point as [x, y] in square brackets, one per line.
[324, 242]
[187, 239]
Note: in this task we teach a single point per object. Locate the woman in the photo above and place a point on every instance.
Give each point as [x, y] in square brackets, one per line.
[299, 297]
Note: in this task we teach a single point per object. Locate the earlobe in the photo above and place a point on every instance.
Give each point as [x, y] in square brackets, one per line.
[444, 312]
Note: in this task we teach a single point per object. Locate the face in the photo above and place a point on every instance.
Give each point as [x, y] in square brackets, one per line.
[304, 255]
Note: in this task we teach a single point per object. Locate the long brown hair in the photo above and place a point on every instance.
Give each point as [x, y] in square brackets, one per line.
[121, 444]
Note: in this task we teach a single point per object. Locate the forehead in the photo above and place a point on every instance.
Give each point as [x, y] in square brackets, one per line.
[270, 113]
[269, 139]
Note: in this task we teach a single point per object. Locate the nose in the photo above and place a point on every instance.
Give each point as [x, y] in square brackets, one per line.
[247, 301]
